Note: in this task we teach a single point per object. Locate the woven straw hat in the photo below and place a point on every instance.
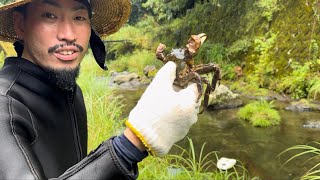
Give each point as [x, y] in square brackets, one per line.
[108, 17]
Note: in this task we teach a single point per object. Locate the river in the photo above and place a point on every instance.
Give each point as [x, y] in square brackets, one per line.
[256, 148]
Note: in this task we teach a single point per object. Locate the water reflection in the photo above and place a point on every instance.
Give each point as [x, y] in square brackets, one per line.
[257, 148]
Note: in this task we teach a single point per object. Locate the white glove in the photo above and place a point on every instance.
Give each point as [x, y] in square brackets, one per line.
[164, 116]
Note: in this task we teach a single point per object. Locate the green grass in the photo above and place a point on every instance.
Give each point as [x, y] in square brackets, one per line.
[260, 114]
[190, 165]
[314, 91]
[103, 106]
[135, 62]
[310, 152]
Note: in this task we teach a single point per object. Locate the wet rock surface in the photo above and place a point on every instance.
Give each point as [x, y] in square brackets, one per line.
[302, 105]
[314, 124]
[224, 98]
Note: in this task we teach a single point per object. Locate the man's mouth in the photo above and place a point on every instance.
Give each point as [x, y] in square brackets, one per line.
[66, 55]
[66, 51]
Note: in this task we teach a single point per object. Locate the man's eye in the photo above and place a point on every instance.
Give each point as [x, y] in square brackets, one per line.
[49, 15]
[80, 18]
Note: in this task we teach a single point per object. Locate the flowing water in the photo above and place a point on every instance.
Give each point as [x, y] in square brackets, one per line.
[256, 148]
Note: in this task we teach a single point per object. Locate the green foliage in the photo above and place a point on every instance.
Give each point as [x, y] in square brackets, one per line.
[315, 8]
[189, 165]
[2, 57]
[314, 50]
[135, 62]
[265, 67]
[239, 46]
[211, 53]
[133, 38]
[268, 8]
[103, 106]
[264, 44]
[260, 114]
[2, 2]
[137, 11]
[296, 83]
[228, 72]
[314, 91]
[311, 153]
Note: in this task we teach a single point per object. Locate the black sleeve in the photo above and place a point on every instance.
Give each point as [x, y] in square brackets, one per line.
[18, 161]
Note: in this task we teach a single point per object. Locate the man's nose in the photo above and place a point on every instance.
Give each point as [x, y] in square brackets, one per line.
[66, 31]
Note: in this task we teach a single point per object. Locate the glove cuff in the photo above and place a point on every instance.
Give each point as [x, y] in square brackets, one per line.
[141, 137]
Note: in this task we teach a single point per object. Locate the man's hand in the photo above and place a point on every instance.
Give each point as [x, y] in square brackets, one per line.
[164, 116]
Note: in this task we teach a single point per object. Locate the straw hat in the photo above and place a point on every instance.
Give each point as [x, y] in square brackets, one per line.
[108, 17]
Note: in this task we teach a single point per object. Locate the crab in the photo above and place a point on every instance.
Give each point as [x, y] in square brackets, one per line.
[187, 71]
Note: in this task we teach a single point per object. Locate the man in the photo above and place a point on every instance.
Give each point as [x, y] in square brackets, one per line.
[43, 126]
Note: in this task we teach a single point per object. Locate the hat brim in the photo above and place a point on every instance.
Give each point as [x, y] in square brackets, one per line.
[108, 17]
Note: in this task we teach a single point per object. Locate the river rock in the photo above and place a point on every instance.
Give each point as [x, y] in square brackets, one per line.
[300, 106]
[149, 71]
[312, 124]
[127, 80]
[224, 98]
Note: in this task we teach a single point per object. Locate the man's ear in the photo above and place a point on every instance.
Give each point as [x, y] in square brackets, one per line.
[18, 22]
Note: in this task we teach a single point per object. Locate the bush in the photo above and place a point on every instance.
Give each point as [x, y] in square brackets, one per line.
[268, 8]
[314, 91]
[210, 52]
[239, 46]
[296, 83]
[260, 114]
[135, 62]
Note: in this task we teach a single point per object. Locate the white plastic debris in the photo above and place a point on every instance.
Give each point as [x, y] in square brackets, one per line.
[225, 163]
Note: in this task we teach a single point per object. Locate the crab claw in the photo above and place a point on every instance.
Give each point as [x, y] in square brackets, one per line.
[159, 52]
[202, 37]
[195, 42]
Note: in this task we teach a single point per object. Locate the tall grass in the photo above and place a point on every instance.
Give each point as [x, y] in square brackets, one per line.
[135, 62]
[190, 165]
[312, 153]
[103, 106]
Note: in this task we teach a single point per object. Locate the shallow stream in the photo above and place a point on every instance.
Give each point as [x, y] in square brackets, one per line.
[257, 148]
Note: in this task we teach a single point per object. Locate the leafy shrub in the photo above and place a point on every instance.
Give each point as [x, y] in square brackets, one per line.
[264, 68]
[131, 38]
[260, 114]
[296, 83]
[211, 52]
[239, 46]
[314, 50]
[135, 62]
[314, 91]
[263, 44]
[168, 9]
[268, 8]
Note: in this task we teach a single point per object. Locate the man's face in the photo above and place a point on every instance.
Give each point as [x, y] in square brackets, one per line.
[55, 33]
